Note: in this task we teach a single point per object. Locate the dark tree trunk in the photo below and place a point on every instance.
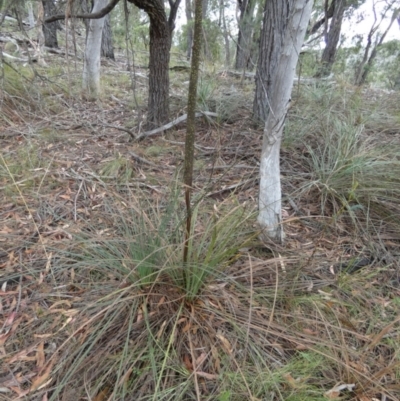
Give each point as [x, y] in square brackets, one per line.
[50, 29]
[246, 23]
[255, 40]
[276, 16]
[107, 48]
[160, 43]
[332, 36]
[189, 19]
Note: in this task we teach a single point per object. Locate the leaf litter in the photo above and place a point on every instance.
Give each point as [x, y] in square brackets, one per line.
[48, 307]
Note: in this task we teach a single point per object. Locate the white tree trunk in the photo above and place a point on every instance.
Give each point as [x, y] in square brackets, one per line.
[270, 215]
[91, 66]
[31, 17]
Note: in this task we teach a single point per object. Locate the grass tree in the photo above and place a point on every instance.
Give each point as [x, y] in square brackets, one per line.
[191, 119]
[292, 38]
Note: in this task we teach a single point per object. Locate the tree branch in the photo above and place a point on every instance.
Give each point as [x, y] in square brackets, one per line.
[99, 14]
[318, 24]
[172, 13]
[173, 123]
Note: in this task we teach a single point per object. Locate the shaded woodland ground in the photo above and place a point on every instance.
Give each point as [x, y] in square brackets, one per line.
[93, 304]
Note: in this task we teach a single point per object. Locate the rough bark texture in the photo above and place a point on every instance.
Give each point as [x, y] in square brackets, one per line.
[160, 43]
[191, 120]
[50, 29]
[276, 14]
[255, 40]
[292, 35]
[246, 24]
[107, 48]
[332, 36]
[91, 66]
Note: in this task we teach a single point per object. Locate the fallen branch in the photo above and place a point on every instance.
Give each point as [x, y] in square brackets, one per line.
[11, 19]
[238, 74]
[128, 131]
[22, 60]
[143, 160]
[173, 123]
[61, 52]
[244, 184]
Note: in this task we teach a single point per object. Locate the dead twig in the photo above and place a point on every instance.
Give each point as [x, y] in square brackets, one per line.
[173, 123]
[143, 160]
[232, 187]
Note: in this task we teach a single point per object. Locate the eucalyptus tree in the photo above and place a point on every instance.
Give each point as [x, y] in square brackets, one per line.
[50, 29]
[331, 35]
[91, 65]
[275, 21]
[107, 47]
[287, 22]
[160, 29]
[375, 38]
[245, 24]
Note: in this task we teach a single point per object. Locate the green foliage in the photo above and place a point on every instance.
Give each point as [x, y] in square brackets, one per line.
[149, 245]
[17, 81]
[214, 246]
[20, 169]
[143, 245]
[206, 94]
[347, 169]
[308, 64]
[385, 70]
[213, 40]
[119, 167]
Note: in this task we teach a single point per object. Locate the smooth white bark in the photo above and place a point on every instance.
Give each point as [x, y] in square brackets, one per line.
[91, 66]
[270, 217]
[31, 17]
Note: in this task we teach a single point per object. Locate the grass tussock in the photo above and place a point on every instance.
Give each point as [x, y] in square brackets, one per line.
[353, 173]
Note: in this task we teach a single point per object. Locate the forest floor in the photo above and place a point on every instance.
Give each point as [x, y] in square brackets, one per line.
[84, 207]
